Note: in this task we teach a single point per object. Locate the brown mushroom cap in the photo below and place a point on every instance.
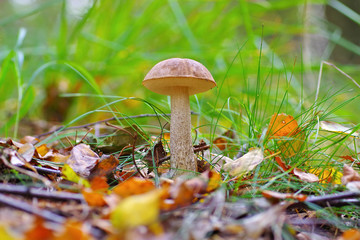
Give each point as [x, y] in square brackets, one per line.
[165, 76]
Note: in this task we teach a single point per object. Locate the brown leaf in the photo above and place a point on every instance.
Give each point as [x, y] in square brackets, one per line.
[157, 153]
[274, 197]
[304, 176]
[82, 160]
[106, 165]
[349, 175]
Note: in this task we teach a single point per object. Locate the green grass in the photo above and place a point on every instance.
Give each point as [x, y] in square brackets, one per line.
[97, 63]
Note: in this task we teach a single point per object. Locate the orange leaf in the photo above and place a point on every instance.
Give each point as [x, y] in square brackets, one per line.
[351, 234]
[99, 184]
[39, 231]
[93, 198]
[134, 186]
[220, 142]
[282, 125]
[73, 231]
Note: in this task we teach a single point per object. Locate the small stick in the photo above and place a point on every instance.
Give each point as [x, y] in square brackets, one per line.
[25, 207]
[38, 193]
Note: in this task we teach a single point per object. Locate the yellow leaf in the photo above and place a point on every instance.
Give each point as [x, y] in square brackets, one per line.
[137, 210]
[329, 175]
[4, 235]
[70, 174]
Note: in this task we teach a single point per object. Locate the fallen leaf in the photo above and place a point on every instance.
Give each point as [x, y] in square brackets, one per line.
[338, 128]
[245, 163]
[214, 181]
[39, 231]
[107, 164]
[27, 151]
[306, 177]
[93, 198]
[329, 175]
[349, 175]
[99, 184]
[282, 125]
[4, 235]
[70, 175]
[274, 197]
[133, 211]
[351, 234]
[82, 159]
[220, 143]
[134, 186]
[73, 231]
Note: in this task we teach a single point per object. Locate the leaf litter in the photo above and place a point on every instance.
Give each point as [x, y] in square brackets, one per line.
[102, 192]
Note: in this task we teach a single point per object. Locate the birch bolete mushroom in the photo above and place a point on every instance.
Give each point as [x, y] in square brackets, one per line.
[180, 78]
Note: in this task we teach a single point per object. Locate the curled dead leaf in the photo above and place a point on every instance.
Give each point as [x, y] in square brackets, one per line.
[304, 176]
[245, 163]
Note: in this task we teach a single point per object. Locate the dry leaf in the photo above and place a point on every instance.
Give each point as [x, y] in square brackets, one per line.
[351, 234]
[349, 175]
[134, 186]
[107, 164]
[39, 231]
[82, 160]
[93, 198]
[245, 163]
[282, 125]
[220, 142]
[275, 196]
[338, 128]
[73, 231]
[306, 177]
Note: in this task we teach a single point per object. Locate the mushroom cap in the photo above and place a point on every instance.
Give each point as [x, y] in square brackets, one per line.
[169, 74]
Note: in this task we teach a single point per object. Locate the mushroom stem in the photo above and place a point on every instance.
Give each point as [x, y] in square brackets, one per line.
[182, 152]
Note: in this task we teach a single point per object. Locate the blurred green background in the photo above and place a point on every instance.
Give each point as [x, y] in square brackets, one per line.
[51, 48]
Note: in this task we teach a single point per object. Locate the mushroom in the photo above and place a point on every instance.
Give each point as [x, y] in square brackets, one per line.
[179, 78]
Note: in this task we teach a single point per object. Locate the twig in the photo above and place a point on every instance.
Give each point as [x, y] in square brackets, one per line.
[25, 207]
[197, 148]
[333, 200]
[38, 193]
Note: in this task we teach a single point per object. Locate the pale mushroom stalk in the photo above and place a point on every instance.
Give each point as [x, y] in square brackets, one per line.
[182, 152]
[180, 78]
